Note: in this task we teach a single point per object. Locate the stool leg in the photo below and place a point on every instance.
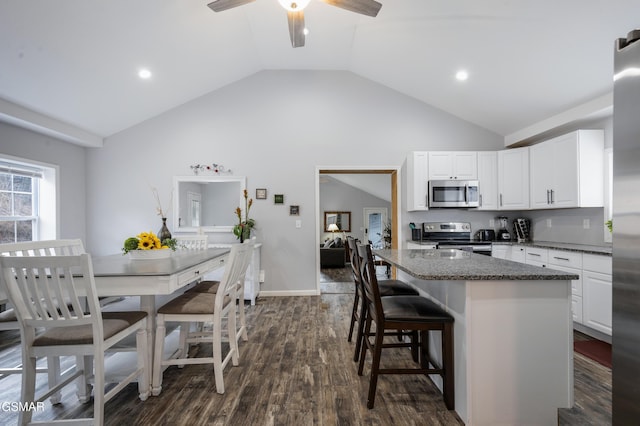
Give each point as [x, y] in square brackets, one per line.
[375, 366]
[447, 365]
[361, 323]
[354, 315]
[364, 343]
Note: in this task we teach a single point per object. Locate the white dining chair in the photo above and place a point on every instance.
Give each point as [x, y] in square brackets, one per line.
[204, 307]
[59, 313]
[8, 318]
[209, 286]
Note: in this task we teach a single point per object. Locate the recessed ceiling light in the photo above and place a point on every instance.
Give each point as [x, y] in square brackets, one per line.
[462, 75]
[144, 74]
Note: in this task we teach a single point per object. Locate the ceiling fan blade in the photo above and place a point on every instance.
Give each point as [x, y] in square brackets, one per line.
[364, 7]
[220, 5]
[296, 28]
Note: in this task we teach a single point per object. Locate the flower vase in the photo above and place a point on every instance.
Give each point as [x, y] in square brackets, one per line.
[163, 233]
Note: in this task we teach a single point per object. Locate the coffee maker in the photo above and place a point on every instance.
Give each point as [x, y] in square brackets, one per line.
[503, 232]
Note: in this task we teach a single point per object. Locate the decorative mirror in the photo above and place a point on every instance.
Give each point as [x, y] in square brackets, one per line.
[341, 219]
[207, 203]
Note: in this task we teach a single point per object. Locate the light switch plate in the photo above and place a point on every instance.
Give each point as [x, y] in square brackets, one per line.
[298, 223]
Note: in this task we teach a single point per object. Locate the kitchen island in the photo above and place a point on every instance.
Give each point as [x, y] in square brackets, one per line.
[513, 332]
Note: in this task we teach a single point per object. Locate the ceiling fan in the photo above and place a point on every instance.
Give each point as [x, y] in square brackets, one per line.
[295, 12]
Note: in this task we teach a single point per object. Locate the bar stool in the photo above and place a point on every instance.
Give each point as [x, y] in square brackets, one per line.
[359, 309]
[408, 313]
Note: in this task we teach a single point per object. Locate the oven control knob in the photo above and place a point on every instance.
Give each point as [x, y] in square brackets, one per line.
[465, 226]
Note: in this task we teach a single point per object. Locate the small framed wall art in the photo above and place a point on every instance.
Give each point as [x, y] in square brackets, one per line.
[261, 193]
[294, 210]
[278, 199]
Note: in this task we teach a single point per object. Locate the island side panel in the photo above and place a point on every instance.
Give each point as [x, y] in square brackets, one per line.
[520, 339]
[513, 344]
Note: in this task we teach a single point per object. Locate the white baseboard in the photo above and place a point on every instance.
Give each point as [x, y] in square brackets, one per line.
[289, 293]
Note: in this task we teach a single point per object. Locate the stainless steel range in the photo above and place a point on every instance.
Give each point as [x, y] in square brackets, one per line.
[454, 235]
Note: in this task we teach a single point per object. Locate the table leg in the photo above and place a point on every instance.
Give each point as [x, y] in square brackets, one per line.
[148, 304]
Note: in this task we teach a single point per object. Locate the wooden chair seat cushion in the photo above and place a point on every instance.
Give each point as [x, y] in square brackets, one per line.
[8, 316]
[395, 288]
[413, 309]
[206, 287]
[192, 303]
[112, 323]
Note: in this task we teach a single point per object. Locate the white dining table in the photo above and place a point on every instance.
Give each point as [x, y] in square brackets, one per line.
[120, 276]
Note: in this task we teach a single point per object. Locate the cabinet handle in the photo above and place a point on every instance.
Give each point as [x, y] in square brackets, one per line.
[480, 200]
[533, 254]
[500, 200]
[552, 197]
[548, 197]
[561, 258]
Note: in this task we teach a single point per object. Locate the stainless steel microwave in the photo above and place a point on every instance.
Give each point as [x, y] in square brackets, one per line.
[453, 193]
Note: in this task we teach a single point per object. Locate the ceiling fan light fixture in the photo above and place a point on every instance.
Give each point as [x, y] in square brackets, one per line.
[294, 5]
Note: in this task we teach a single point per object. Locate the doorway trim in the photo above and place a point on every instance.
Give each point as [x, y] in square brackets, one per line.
[396, 214]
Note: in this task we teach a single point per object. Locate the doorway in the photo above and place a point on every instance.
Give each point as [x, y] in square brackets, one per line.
[392, 217]
[375, 222]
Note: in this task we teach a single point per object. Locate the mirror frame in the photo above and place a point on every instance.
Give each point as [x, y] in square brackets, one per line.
[326, 213]
[242, 180]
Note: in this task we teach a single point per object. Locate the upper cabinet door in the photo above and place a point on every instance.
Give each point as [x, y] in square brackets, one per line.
[417, 181]
[542, 171]
[453, 165]
[488, 180]
[513, 179]
[568, 171]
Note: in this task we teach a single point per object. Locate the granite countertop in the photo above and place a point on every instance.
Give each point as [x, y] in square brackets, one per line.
[458, 265]
[582, 248]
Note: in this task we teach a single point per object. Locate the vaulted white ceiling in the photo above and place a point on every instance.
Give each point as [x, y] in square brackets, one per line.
[76, 61]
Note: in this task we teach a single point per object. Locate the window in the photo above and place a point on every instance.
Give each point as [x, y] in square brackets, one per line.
[19, 201]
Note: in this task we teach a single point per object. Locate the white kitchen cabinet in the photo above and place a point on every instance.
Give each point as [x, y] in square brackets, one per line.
[488, 180]
[568, 171]
[447, 165]
[536, 256]
[418, 246]
[597, 292]
[513, 179]
[515, 253]
[571, 262]
[417, 181]
[499, 250]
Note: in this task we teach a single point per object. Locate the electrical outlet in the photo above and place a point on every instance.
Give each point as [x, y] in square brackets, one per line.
[548, 223]
[492, 223]
[298, 223]
[586, 224]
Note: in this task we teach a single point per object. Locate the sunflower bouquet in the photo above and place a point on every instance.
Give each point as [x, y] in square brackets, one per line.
[147, 241]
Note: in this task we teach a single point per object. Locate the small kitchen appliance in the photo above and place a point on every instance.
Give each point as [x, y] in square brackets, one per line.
[503, 233]
[453, 193]
[486, 235]
[522, 229]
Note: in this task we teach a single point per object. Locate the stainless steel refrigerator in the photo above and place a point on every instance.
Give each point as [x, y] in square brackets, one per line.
[626, 230]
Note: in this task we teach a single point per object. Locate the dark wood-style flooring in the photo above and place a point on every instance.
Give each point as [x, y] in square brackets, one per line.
[296, 369]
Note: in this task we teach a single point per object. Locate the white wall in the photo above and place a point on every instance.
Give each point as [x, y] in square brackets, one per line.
[274, 127]
[69, 158]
